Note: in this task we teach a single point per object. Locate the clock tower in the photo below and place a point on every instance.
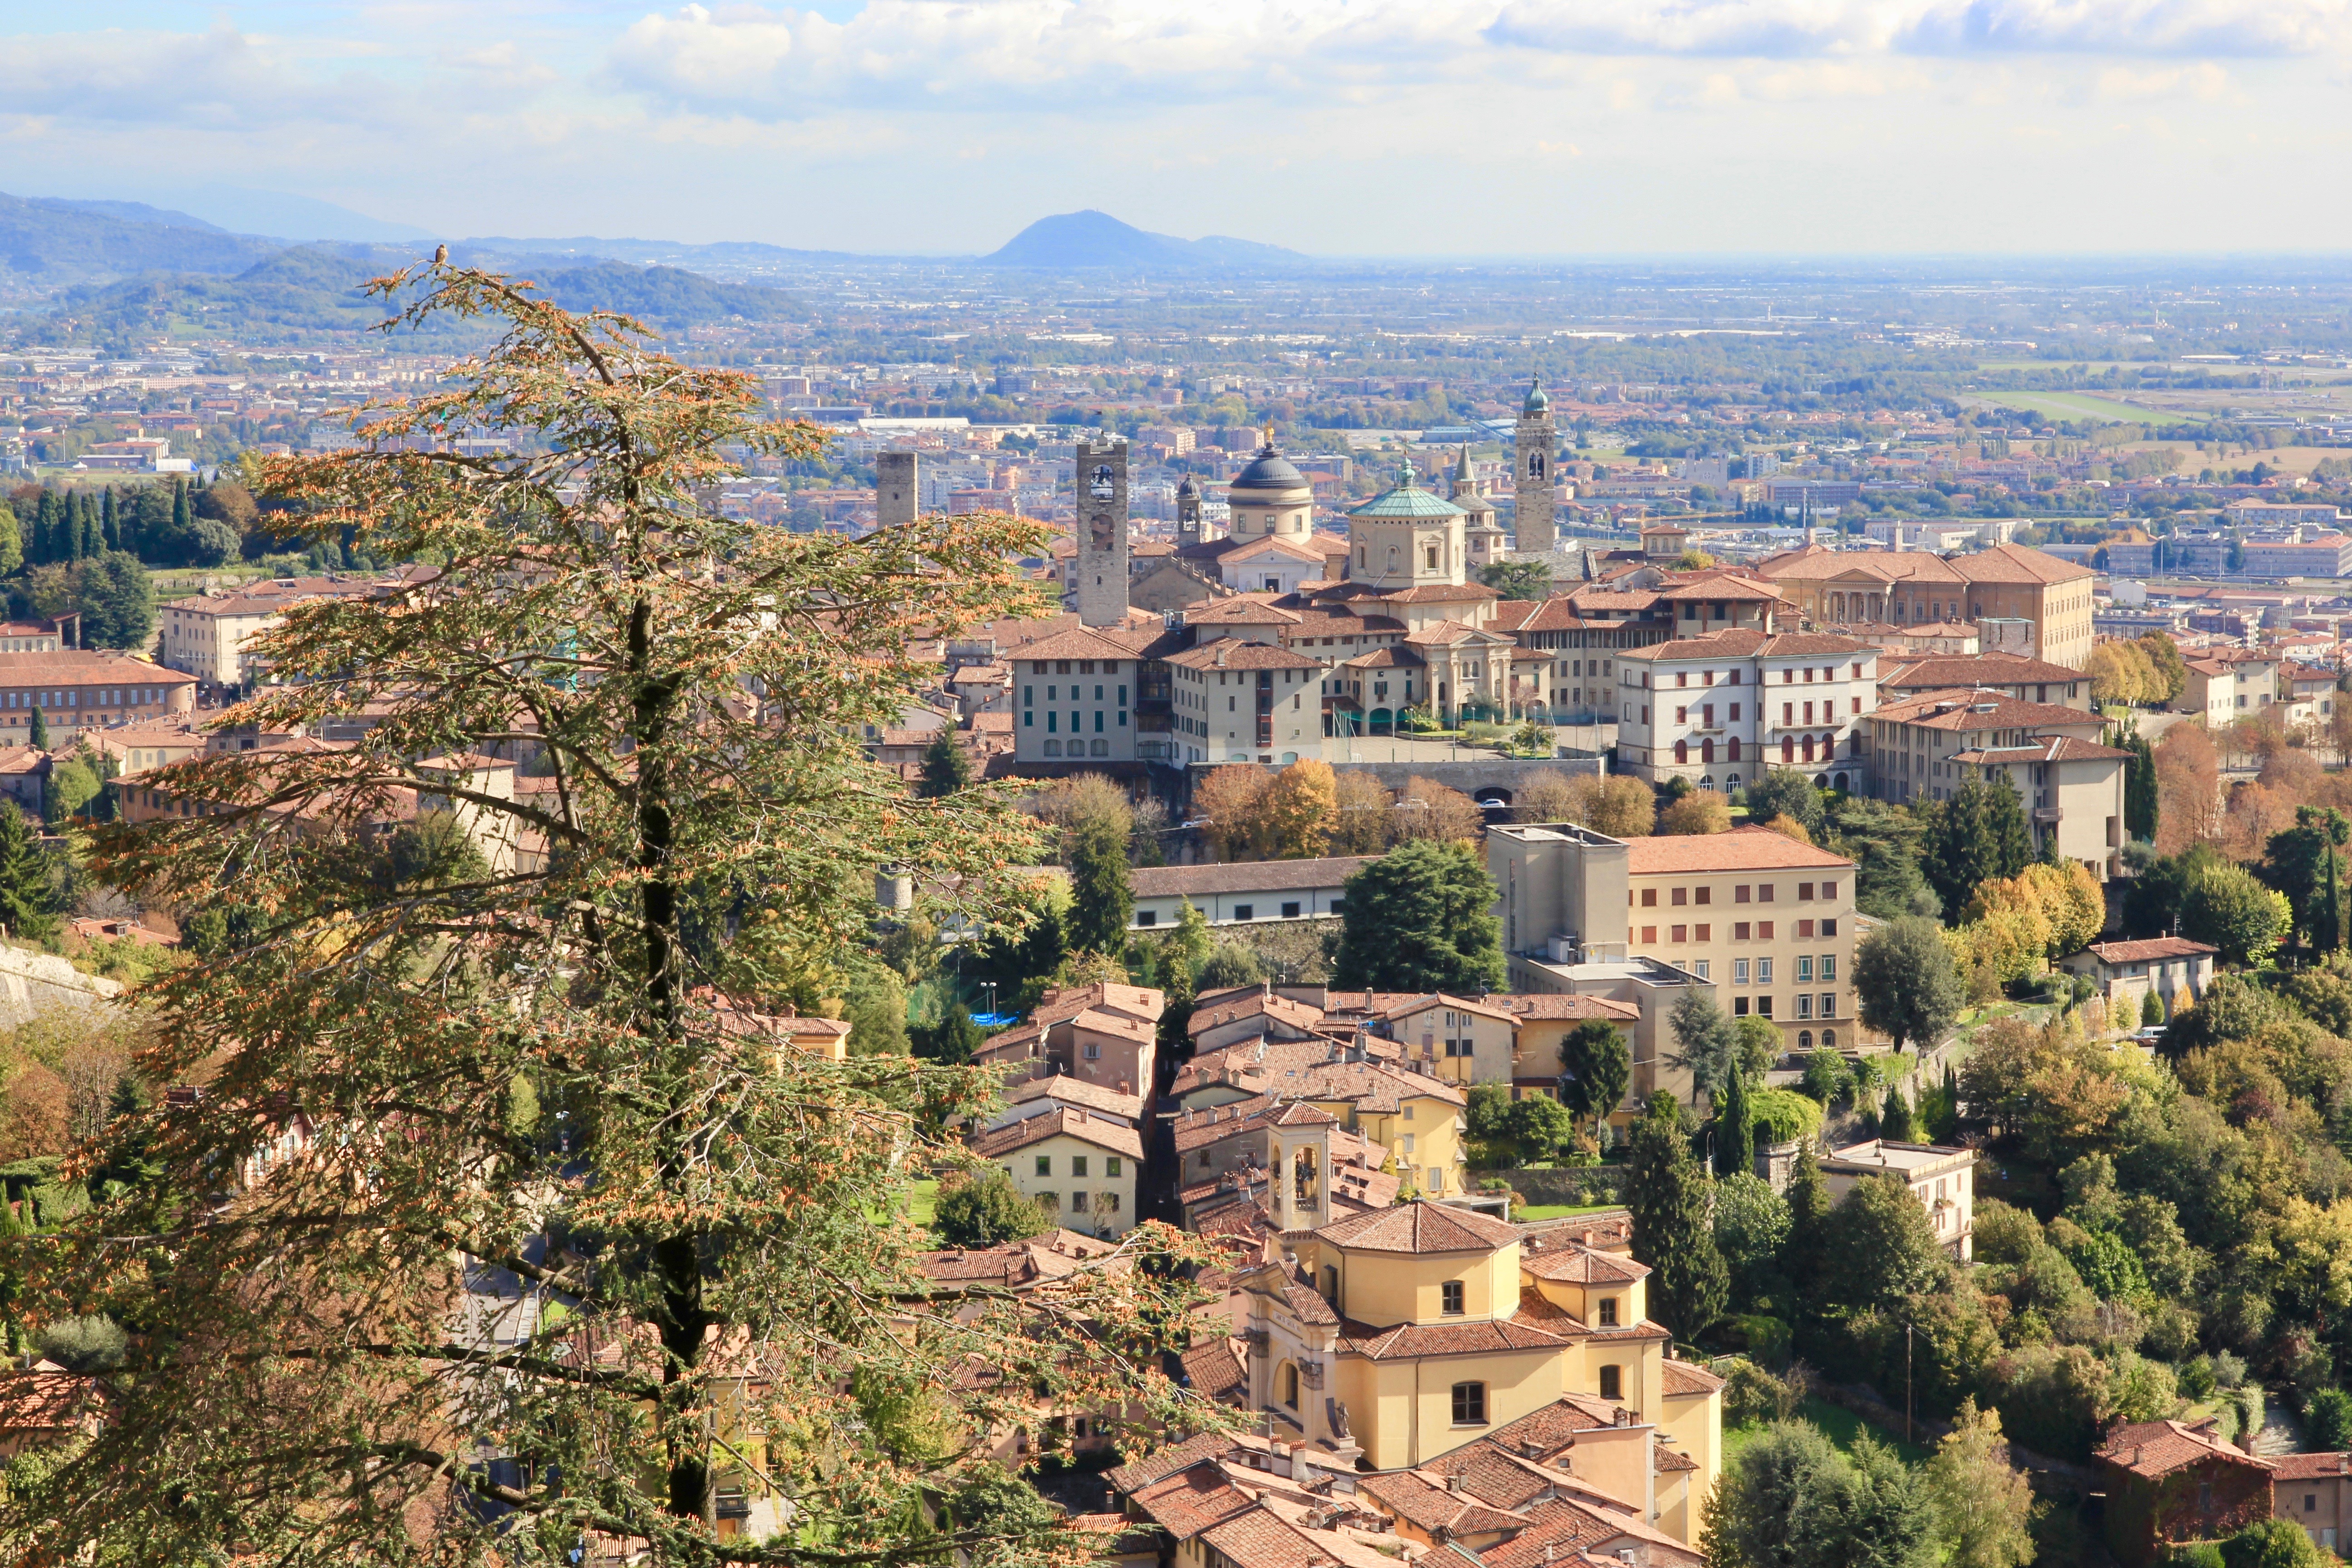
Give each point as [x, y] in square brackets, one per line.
[1534, 526]
[1099, 570]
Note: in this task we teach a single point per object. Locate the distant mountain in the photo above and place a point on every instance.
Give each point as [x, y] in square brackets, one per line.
[47, 244]
[299, 294]
[288, 216]
[130, 212]
[1076, 241]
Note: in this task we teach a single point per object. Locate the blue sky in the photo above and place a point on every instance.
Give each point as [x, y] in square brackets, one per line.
[1364, 127]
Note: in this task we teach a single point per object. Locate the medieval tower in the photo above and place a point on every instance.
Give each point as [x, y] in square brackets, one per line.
[896, 488]
[1188, 513]
[1100, 566]
[1534, 525]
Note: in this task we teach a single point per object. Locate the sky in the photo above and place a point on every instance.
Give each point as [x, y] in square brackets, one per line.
[1381, 128]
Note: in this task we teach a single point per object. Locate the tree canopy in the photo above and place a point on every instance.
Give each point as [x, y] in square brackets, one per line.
[1420, 918]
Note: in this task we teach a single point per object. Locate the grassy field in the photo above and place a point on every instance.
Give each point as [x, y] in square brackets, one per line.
[1562, 1211]
[2081, 405]
[926, 1199]
[1837, 1423]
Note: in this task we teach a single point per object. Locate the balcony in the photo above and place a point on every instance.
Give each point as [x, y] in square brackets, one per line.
[2049, 816]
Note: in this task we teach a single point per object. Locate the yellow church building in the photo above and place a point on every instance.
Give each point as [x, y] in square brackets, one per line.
[1391, 1339]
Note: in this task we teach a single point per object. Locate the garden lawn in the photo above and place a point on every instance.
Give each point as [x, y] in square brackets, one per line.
[1562, 1211]
[2080, 405]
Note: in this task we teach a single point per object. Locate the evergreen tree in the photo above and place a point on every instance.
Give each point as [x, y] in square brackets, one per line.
[12, 540]
[946, 769]
[1596, 1065]
[37, 733]
[1672, 1231]
[43, 546]
[1895, 1118]
[1420, 918]
[1805, 1251]
[1976, 837]
[112, 523]
[1101, 900]
[714, 1204]
[27, 903]
[182, 522]
[2139, 787]
[1735, 1129]
[92, 543]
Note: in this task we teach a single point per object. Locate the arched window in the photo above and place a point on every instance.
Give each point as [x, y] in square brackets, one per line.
[1804, 1039]
[1290, 1385]
[1735, 748]
[1706, 751]
[1393, 557]
[1469, 1404]
[1682, 751]
[1612, 1381]
[1809, 748]
[1829, 1039]
[1788, 750]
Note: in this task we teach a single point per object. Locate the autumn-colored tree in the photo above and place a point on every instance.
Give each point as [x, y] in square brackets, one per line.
[1363, 819]
[1426, 809]
[552, 1071]
[1701, 811]
[2164, 658]
[2120, 671]
[1790, 827]
[1547, 796]
[1225, 801]
[1296, 811]
[2188, 789]
[1618, 805]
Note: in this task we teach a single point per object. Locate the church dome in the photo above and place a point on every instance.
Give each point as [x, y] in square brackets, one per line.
[1269, 470]
[1536, 402]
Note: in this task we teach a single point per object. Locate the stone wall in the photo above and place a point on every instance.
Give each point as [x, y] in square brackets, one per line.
[1473, 774]
[1562, 1184]
[33, 982]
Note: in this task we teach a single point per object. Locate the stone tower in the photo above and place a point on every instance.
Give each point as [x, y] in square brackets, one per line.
[1188, 513]
[1100, 566]
[895, 491]
[1534, 525]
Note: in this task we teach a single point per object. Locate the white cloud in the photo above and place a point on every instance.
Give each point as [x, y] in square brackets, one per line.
[219, 77]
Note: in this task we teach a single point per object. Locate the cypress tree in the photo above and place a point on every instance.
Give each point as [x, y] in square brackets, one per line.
[1804, 1252]
[2139, 787]
[36, 734]
[25, 896]
[1672, 1229]
[1735, 1131]
[41, 549]
[92, 543]
[180, 518]
[112, 521]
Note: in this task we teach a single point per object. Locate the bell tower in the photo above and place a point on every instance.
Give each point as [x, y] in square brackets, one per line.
[1100, 566]
[1188, 513]
[1534, 524]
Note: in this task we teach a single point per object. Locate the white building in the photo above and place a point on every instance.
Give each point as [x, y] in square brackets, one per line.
[1721, 710]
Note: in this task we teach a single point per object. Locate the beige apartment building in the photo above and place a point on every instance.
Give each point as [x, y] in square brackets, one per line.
[2071, 786]
[1764, 922]
[79, 689]
[209, 636]
[2007, 581]
[1941, 1180]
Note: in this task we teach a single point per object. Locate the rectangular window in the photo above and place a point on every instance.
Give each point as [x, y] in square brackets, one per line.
[1682, 934]
[1805, 892]
[1829, 966]
[1828, 928]
[1704, 895]
[1612, 1381]
[1407, 1140]
[1763, 972]
[1607, 1319]
[1829, 1003]
[1804, 1003]
[1106, 1202]
[1290, 911]
[1077, 1203]
[1763, 892]
[1450, 1298]
[1147, 917]
[1739, 894]
[1763, 930]
[1244, 911]
[1763, 1006]
[1078, 1164]
[1679, 896]
[1649, 897]
[1703, 967]
[1804, 928]
[1648, 934]
[1739, 930]
[1045, 1164]
[1739, 1007]
[1469, 1404]
[1805, 967]
[1740, 972]
[1829, 890]
[1111, 1166]
[1705, 933]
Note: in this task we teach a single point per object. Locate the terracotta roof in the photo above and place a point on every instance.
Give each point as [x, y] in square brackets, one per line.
[1054, 1255]
[1242, 877]
[1215, 1370]
[85, 667]
[1139, 1001]
[1241, 610]
[1375, 1087]
[2310, 1466]
[1683, 1379]
[1420, 1228]
[1074, 1123]
[1940, 671]
[1408, 1339]
[1076, 643]
[2150, 950]
[1232, 653]
[1435, 999]
[1960, 711]
[1555, 1426]
[1162, 1463]
[1748, 848]
[2043, 748]
[1576, 1263]
[1282, 1009]
[1431, 1507]
[1192, 1500]
[2153, 1450]
[1199, 1130]
[1071, 1090]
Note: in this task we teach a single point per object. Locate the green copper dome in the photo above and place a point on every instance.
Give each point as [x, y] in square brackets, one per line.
[1536, 402]
[1406, 501]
